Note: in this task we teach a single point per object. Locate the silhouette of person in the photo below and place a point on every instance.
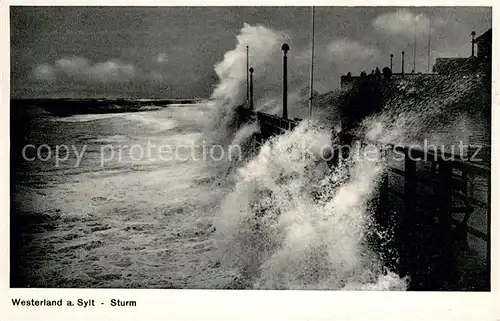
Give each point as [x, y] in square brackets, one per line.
[377, 74]
[363, 74]
[387, 72]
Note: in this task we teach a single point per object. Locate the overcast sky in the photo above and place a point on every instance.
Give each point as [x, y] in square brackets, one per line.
[171, 51]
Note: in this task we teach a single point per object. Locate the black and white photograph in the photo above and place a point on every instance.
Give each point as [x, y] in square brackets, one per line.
[250, 148]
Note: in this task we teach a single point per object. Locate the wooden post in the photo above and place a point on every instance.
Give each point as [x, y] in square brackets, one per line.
[383, 200]
[392, 56]
[250, 98]
[444, 195]
[406, 233]
[285, 49]
[465, 179]
[462, 228]
[384, 221]
[488, 245]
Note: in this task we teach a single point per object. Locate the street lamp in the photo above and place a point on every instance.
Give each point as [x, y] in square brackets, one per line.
[285, 49]
[473, 41]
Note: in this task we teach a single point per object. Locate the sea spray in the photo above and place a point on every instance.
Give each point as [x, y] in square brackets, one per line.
[292, 222]
[265, 58]
[230, 92]
[414, 106]
[240, 150]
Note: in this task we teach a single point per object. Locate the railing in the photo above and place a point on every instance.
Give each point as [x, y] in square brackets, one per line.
[348, 80]
[448, 180]
[271, 125]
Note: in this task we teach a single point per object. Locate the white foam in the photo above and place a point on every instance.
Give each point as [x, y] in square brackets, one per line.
[151, 120]
[282, 237]
[88, 117]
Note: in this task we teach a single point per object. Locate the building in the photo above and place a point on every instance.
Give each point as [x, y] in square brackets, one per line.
[445, 66]
[483, 43]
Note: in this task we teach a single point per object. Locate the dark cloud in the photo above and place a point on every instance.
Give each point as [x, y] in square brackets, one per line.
[172, 51]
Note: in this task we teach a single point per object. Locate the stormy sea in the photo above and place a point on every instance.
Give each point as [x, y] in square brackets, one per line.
[97, 203]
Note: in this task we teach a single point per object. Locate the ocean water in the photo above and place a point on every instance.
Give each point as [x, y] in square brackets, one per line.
[116, 210]
[132, 222]
[147, 222]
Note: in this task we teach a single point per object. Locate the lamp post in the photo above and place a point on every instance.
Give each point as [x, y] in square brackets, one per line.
[473, 41]
[311, 72]
[402, 63]
[429, 47]
[247, 79]
[414, 48]
[392, 56]
[285, 49]
[250, 99]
